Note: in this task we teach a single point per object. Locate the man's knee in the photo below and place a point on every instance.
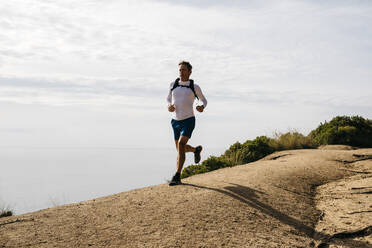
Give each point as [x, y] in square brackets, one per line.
[182, 142]
[181, 145]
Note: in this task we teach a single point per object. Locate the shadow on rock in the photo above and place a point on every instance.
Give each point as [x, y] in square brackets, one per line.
[250, 197]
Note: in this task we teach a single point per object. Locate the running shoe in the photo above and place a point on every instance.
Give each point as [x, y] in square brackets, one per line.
[197, 152]
[176, 180]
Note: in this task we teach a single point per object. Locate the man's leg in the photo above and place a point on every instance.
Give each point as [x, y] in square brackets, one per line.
[196, 150]
[188, 148]
[182, 147]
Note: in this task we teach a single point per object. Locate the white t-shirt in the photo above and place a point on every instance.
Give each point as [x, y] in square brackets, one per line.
[183, 99]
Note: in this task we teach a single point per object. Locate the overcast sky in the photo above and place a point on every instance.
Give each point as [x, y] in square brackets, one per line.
[96, 73]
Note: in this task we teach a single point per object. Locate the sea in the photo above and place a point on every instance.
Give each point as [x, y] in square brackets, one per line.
[35, 178]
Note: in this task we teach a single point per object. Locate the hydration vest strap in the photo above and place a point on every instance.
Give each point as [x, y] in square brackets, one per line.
[176, 84]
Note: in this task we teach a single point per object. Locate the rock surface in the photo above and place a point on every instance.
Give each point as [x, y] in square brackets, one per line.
[297, 198]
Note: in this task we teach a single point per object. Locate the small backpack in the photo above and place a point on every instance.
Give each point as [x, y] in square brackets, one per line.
[191, 86]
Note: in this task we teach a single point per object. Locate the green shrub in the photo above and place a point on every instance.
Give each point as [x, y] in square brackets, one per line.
[255, 150]
[5, 213]
[193, 170]
[232, 155]
[249, 151]
[237, 154]
[214, 163]
[210, 164]
[344, 130]
[354, 131]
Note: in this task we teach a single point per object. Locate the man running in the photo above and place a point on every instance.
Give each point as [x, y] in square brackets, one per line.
[181, 97]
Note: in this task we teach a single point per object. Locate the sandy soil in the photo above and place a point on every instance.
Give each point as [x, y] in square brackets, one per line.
[301, 198]
[346, 204]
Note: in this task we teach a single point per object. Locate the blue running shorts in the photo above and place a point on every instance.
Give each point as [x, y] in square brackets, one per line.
[183, 127]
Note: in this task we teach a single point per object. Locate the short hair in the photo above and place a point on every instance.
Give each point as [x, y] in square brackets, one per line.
[187, 64]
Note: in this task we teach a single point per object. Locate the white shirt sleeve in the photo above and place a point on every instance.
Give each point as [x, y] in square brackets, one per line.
[169, 98]
[200, 95]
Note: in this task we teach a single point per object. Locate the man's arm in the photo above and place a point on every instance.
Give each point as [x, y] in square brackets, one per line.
[171, 107]
[202, 98]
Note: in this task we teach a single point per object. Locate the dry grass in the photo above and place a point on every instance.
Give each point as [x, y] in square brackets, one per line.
[290, 140]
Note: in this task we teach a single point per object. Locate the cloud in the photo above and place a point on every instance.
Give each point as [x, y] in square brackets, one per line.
[125, 52]
[215, 3]
[290, 39]
[119, 93]
[77, 91]
[15, 130]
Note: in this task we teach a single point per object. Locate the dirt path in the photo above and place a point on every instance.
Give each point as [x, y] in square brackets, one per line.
[269, 203]
[346, 204]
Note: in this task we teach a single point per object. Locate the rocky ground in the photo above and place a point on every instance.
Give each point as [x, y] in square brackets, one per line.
[298, 198]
